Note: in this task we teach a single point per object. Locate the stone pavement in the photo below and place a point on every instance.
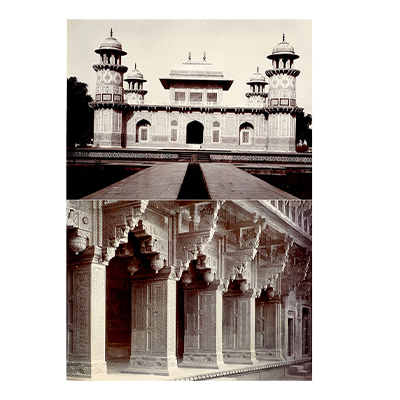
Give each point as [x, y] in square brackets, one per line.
[224, 181]
[164, 180]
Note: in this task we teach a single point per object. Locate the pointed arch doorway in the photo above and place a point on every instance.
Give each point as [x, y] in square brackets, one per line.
[194, 132]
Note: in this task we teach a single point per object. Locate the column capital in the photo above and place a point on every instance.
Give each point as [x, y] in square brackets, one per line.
[91, 254]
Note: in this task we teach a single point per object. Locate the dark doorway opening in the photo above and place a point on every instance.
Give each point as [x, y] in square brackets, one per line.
[305, 326]
[194, 133]
[118, 310]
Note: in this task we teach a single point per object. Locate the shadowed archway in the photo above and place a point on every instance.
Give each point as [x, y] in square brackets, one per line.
[194, 132]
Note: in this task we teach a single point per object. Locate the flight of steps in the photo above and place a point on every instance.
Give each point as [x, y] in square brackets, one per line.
[194, 157]
[300, 370]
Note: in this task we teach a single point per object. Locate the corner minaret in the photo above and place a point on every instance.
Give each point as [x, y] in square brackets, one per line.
[135, 93]
[109, 93]
[257, 97]
[282, 107]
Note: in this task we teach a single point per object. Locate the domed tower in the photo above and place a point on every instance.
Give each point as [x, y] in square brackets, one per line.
[135, 93]
[257, 97]
[282, 107]
[109, 93]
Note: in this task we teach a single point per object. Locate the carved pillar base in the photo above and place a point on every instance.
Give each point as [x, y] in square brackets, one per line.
[86, 370]
[86, 298]
[152, 365]
[269, 354]
[239, 328]
[153, 345]
[203, 326]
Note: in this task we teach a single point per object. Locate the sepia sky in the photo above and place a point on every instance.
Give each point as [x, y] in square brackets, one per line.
[156, 46]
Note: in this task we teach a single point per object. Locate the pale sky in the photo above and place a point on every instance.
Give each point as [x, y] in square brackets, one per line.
[156, 46]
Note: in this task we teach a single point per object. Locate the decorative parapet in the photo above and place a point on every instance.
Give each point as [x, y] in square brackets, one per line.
[111, 67]
[260, 158]
[278, 71]
[284, 110]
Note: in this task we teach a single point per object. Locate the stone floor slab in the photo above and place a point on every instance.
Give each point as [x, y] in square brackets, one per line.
[224, 181]
[162, 181]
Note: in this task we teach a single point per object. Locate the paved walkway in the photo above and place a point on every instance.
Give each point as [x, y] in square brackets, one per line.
[225, 181]
[162, 181]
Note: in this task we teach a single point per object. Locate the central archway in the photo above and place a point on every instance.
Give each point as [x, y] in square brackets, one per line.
[194, 132]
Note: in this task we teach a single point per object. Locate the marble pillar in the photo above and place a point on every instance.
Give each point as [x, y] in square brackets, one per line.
[203, 325]
[239, 327]
[269, 330]
[86, 305]
[153, 339]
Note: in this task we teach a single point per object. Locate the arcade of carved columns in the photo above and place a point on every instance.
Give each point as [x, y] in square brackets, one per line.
[241, 269]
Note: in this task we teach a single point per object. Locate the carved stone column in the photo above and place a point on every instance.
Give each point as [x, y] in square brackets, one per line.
[153, 340]
[86, 300]
[203, 325]
[268, 329]
[239, 327]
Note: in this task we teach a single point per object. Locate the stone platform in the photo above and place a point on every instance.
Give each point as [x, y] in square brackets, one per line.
[164, 181]
[261, 370]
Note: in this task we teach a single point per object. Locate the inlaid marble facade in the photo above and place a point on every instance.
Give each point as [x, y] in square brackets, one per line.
[196, 115]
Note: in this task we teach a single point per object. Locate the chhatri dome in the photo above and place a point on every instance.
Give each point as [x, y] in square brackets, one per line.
[135, 74]
[283, 48]
[110, 44]
[257, 77]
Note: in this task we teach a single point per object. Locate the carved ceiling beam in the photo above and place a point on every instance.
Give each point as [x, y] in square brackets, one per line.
[119, 218]
[230, 226]
[193, 244]
[277, 222]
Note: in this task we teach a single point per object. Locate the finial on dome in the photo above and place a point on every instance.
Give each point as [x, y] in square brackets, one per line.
[283, 36]
[258, 69]
[190, 56]
[135, 65]
[204, 56]
[111, 32]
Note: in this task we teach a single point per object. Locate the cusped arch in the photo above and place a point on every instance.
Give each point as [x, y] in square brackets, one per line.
[194, 132]
[142, 130]
[246, 130]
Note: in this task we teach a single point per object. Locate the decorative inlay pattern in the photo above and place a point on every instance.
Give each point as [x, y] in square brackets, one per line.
[258, 158]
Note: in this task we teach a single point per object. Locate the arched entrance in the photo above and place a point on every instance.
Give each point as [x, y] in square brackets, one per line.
[194, 132]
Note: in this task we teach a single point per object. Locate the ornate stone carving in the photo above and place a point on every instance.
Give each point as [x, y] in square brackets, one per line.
[77, 243]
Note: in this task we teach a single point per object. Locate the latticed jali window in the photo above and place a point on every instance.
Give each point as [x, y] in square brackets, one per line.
[174, 130]
[215, 136]
[245, 136]
[179, 96]
[212, 97]
[195, 96]
[174, 135]
[143, 134]
[216, 126]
